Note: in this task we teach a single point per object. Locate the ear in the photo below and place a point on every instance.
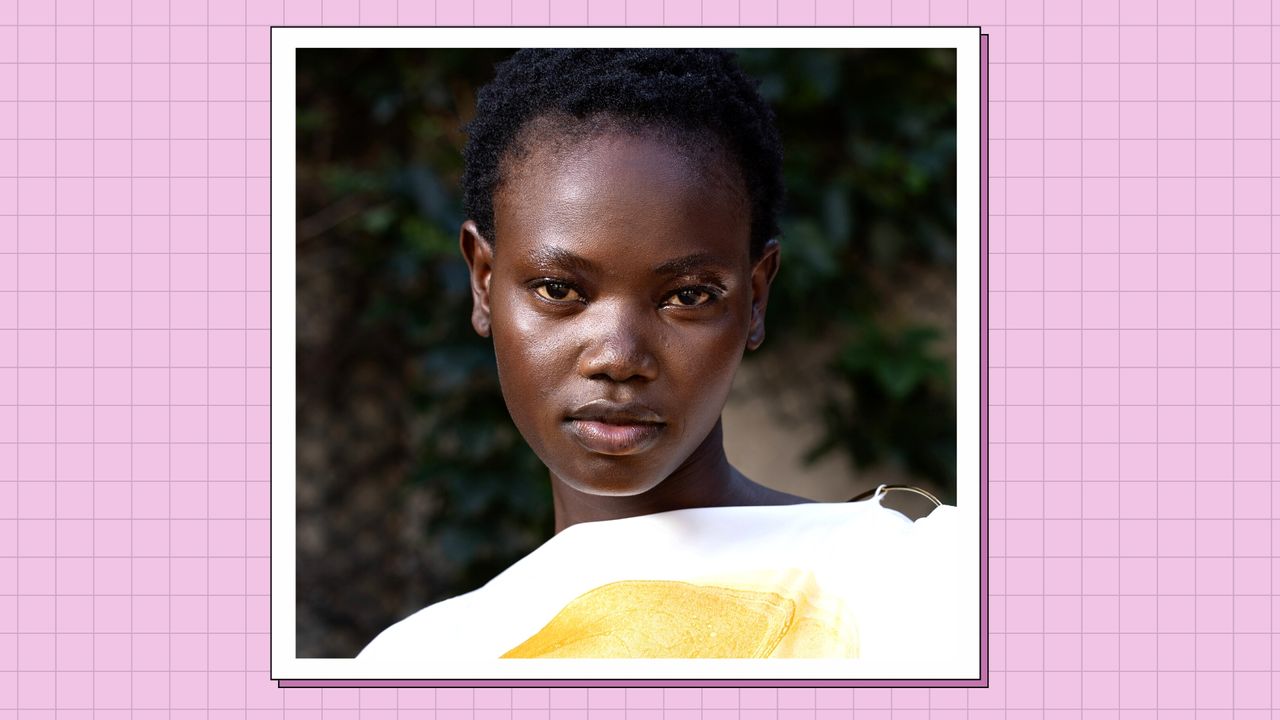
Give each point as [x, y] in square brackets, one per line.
[478, 252]
[762, 274]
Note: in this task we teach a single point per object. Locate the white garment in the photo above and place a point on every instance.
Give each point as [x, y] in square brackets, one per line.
[886, 584]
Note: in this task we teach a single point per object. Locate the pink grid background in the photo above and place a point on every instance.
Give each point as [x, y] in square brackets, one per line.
[1133, 344]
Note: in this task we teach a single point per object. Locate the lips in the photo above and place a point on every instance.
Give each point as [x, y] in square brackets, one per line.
[610, 428]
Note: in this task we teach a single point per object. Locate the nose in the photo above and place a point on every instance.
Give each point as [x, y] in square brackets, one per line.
[619, 346]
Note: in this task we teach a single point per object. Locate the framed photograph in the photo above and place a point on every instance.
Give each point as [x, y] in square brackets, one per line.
[610, 354]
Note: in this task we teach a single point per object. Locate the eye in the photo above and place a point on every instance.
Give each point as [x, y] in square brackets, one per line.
[691, 297]
[557, 292]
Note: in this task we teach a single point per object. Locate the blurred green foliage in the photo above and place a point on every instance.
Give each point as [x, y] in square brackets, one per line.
[870, 146]
[867, 279]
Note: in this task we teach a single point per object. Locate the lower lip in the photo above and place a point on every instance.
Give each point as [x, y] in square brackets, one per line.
[610, 439]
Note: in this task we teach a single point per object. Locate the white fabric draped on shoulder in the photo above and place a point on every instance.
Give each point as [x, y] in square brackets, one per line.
[826, 580]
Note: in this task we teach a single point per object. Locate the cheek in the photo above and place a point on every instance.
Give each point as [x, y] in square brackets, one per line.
[532, 355]
[702, 362]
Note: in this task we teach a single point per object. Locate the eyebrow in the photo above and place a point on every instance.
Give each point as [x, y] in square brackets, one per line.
[688, 264]
[559, 257]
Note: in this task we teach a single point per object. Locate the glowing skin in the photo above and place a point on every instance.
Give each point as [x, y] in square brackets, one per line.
[620, 299]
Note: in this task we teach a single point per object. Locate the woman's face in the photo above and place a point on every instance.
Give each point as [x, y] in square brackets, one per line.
[620, 299]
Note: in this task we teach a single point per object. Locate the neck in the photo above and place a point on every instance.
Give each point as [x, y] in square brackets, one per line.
[705, 479]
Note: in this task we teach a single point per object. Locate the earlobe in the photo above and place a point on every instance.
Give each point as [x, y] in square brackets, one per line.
[755, 336]
[478, 252]
[762, 275]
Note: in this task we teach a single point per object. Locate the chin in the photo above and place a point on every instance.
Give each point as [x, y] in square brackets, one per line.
[608, 490]
[616, 481]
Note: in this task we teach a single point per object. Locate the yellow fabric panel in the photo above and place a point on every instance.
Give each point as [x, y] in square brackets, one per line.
[670, 619]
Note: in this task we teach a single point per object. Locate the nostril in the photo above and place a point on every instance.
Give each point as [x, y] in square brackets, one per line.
[616, 364]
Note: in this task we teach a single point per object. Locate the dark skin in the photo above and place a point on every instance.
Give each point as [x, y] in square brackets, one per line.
[620, 298]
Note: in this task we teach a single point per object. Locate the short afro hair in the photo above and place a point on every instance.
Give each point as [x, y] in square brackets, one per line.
[687, 93]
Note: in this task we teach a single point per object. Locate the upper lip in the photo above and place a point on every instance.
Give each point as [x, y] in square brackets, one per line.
[607, 411]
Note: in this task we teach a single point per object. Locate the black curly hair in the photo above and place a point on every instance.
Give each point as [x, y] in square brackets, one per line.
[688, 95]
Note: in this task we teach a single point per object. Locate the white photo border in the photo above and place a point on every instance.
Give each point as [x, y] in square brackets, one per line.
[285, 41]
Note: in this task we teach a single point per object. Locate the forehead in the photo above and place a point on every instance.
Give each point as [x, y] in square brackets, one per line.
[553, 138]
[642, 189]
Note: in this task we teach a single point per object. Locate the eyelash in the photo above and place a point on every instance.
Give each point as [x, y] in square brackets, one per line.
[713, 296]
[538, 285]
[713, 293]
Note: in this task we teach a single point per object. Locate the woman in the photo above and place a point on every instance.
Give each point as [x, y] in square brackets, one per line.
[621, 243]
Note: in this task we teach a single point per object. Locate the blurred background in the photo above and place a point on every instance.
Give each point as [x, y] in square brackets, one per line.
[413, 484]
